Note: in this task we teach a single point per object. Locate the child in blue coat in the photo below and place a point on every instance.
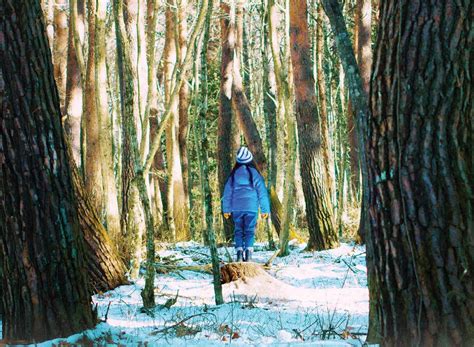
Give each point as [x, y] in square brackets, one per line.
[244, 193]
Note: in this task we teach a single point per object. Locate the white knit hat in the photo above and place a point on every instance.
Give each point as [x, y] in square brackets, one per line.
[244, 156]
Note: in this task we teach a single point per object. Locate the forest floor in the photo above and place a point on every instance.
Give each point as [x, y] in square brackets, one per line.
[310, 298]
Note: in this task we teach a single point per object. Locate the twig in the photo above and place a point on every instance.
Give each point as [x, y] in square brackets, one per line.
[156, 332]
[272, 258]
[106, 313]
[229, 257]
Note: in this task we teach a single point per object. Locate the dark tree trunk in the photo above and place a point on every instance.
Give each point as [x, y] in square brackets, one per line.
[44, 284]
[318, 204]
[224, 122]
[421, 174]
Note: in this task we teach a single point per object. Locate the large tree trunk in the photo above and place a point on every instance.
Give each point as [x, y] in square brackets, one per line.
[421, 169]
[109, 197]
[73, 102]
[93, 172]
[44, 284]
[319, 211]
[224, 121]
[60, 49]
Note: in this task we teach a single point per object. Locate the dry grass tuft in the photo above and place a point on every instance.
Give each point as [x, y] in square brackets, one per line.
[234, 271]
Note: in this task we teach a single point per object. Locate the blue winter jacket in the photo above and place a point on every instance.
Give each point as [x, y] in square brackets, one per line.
[241, 195]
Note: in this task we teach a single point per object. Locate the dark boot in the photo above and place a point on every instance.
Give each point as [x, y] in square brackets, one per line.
[240, 256]
[248, 255]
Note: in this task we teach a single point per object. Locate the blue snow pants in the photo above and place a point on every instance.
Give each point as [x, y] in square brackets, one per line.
[244, 230]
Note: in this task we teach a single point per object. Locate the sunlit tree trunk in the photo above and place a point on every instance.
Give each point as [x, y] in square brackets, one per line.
[134, 16]
[73, 98]
[183, 97]
[269, 109]
[284, 107]
[224, 121]
[45, 290]
[151, 110]
[319, 211]
[109, 197]
[93, 168]
[60, 48]
[420, 169]
[177, 203]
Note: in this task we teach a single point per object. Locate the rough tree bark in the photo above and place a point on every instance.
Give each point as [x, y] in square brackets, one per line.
[319, 212]
[420, 169]
[45, 290]
[224, 121]
[73, 102]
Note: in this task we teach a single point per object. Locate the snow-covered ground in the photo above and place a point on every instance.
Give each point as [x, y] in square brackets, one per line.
[317, 299]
